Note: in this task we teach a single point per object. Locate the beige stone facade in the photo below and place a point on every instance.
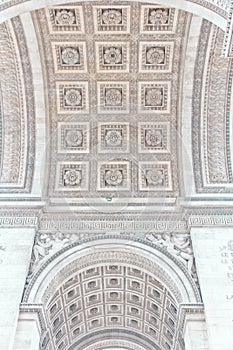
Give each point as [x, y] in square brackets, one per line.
[116, 177]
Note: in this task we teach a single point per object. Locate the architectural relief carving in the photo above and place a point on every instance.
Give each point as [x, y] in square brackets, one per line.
[112, 18]
[154, 97]
[72, 176]
[176, 244]
[129, 223]
[68, 18]
[46, 245]
[112, 293]
[19, 218]
[114, 93]
[73, 137]
[15, 87]
[155, 176]
[219, 6]
[158, 19]
[215, 118]
[154, 137]
[69, 56]
[156, 56]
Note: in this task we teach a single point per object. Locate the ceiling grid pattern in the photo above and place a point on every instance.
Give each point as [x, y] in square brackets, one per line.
[112, 297]
[113, 112]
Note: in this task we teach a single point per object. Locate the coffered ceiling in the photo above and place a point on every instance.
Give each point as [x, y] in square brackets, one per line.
[112, 75]
[125, 103]
[116, 301]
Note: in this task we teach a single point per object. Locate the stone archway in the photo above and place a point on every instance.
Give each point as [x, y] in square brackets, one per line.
[104, 290]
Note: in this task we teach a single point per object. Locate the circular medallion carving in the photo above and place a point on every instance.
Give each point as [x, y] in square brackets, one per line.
[70, 56]
[113, 177]
[112, 55]
[155, 177]
[159, 16]
[64, 17]
[111, 17]
[72, 177]
[155, 55]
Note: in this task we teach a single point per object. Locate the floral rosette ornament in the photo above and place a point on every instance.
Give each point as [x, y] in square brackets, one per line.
[70, 56]
[153, 138]
[74, 138]
[112, 55]
[154, 97]
[113, 138]
[72, 177]
[111, 17]
[113, 177]
[73, 97]
[113, 97]
[155, 177]
[155, 55]
[159, 16]
[65, 17]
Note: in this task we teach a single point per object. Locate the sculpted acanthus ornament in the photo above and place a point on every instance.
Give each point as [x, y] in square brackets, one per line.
[179, 245]
[64, 17]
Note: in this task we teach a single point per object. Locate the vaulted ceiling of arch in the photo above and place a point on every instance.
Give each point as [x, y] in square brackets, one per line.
[113, 79]
[110, 298]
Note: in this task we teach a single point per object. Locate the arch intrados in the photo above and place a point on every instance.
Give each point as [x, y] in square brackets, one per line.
[133, 341]
[185, 5]
[58, 267]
